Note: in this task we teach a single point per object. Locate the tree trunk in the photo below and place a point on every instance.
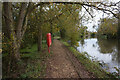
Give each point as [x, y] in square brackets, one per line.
[62, 33]
[39, 25]
[51, 30]
[118, 32]
[15, 51]
[39, 39]
[118, 36]
[7, 19]
[14, 46]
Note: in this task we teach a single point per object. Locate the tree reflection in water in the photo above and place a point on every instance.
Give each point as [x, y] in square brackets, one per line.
[103, 50]
[109, 46]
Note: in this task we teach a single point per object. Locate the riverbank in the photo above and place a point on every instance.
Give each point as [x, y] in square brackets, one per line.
[92, 67]
[104, 51]
[64, 61]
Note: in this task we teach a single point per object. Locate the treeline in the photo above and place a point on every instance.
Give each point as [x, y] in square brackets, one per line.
[108, 28]
[25, 24]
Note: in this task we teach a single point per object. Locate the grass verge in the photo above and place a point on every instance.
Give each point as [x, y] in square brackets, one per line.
[35, 63]
[32, 64]
[91, 66]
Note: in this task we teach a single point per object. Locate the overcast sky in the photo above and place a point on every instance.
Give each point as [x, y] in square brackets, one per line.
[94, 21]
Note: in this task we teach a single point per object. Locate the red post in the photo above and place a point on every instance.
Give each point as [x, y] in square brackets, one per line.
[49, 40]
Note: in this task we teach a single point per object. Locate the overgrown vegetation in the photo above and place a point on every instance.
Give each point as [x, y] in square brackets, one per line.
[91, 66]
[32, 64]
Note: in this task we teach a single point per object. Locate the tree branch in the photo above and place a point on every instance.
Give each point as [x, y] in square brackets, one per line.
[89, 5]
[88, 11]
[21, 19]
[53, 18]
[24, 26]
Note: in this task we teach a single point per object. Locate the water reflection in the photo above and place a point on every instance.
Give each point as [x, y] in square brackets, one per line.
[102, 50]
[107, 46]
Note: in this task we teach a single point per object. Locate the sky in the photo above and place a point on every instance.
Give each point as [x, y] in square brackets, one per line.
[94, 21]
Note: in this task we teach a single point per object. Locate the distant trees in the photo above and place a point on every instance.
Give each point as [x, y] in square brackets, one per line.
[82, 31]
[69, 22]
[108, 27]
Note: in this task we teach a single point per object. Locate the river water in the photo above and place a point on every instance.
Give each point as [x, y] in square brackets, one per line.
[105, 51]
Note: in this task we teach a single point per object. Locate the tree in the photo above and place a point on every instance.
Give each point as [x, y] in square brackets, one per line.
[69, 22]
[17, 24]
[108, 27]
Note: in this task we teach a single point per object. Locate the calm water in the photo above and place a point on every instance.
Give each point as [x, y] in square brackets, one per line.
[105, 51]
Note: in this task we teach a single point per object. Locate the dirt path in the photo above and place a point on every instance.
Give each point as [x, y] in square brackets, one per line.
[62, 64]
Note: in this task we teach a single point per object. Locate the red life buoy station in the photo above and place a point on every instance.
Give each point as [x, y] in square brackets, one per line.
[49, 40]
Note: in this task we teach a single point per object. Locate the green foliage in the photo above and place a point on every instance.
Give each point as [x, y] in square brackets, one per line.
[68, 22]
[65, 43]
[32, 49]
[108, 28]
[5, 45]
[65, 24]
[34, 66]
[31, 65]
[34, 70]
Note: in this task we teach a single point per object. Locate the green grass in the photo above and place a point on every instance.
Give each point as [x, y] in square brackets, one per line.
[35, 66]
[32, 63]
[4, 55]
[34, 69]
[56, 37]
[88, 64]
[65, 43]
[31, 49]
